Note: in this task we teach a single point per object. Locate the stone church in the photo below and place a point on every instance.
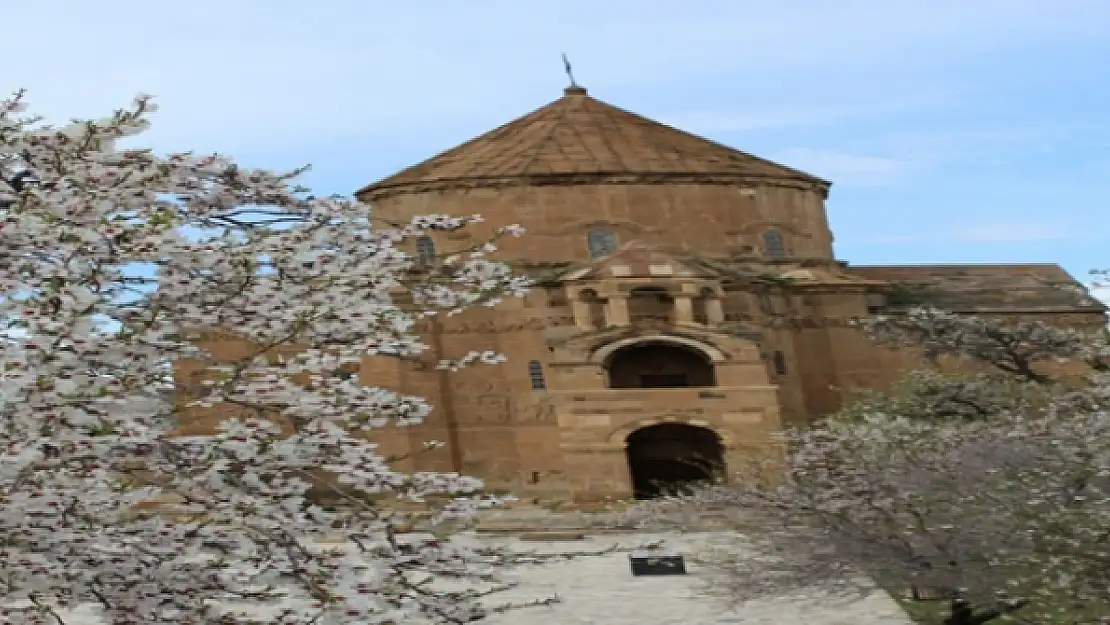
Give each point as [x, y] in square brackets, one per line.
[688, 303]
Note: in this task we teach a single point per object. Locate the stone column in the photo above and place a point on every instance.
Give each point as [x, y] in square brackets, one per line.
[714, 311]
[616, 310]
[683, 309]
[581, 312]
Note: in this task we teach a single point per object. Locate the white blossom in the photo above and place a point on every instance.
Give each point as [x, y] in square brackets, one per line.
[991, 487]
[105, 276]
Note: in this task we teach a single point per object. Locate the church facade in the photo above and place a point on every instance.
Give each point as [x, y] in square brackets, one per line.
[688, 304]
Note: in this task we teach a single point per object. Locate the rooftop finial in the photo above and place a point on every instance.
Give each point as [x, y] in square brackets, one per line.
[570, 74]
[574, 88]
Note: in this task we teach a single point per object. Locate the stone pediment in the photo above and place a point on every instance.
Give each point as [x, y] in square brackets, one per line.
[639, 260]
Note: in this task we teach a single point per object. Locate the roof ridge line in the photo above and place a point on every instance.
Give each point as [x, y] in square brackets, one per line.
[634, 145]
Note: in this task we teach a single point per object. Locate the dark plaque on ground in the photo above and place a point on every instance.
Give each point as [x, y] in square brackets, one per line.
[656, 563]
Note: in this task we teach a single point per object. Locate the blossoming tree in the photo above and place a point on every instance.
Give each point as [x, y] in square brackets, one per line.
[984, 494]
[113, 263]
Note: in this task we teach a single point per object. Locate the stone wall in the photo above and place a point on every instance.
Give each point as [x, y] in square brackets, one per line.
[716, 220]
[545, 425]
[566, 439]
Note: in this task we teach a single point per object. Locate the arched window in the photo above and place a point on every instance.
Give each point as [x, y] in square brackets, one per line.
[535, 375]
[779, 362]
[773, 245]
[425, 250]
[660, 365]
[601, 242]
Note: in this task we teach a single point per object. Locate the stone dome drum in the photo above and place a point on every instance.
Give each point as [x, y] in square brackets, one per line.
[579, 164]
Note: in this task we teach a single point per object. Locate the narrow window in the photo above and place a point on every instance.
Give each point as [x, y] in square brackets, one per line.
[535, 375]
[780, 363]
[601, 243]
[425, 250]
[773, 245]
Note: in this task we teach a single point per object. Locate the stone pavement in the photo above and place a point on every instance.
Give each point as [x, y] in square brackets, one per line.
[600, 590]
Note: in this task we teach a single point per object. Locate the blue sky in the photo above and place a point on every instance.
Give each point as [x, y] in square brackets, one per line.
[954, 131]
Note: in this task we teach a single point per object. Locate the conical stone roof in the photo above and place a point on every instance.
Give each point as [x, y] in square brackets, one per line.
[578, 139]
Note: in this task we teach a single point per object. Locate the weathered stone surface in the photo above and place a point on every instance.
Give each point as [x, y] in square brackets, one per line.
[718, 252]
[602, 590]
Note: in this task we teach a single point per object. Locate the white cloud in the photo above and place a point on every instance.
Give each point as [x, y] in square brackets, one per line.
[1102, 293]
[846, 169]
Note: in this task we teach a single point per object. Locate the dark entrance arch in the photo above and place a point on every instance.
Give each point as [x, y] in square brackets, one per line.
[667, 457]
[659, 365]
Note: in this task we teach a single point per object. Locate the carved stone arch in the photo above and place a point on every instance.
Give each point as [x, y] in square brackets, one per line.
[618, 438]
[704, 339]
[602, 353]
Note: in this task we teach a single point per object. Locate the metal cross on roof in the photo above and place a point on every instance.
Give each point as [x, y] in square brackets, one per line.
[570, 75]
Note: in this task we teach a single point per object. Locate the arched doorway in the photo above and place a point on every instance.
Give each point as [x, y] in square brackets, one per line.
[667, 457]
[659, 365]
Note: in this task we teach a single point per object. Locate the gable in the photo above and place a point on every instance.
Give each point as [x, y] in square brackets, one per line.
[637, 260]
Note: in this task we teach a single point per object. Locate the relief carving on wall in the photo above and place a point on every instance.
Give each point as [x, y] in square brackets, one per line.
[482, 403]
[492, 326]
[543, 411]
[494, 408]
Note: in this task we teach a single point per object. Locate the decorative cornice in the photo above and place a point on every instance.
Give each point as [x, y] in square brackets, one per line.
[375, 193]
